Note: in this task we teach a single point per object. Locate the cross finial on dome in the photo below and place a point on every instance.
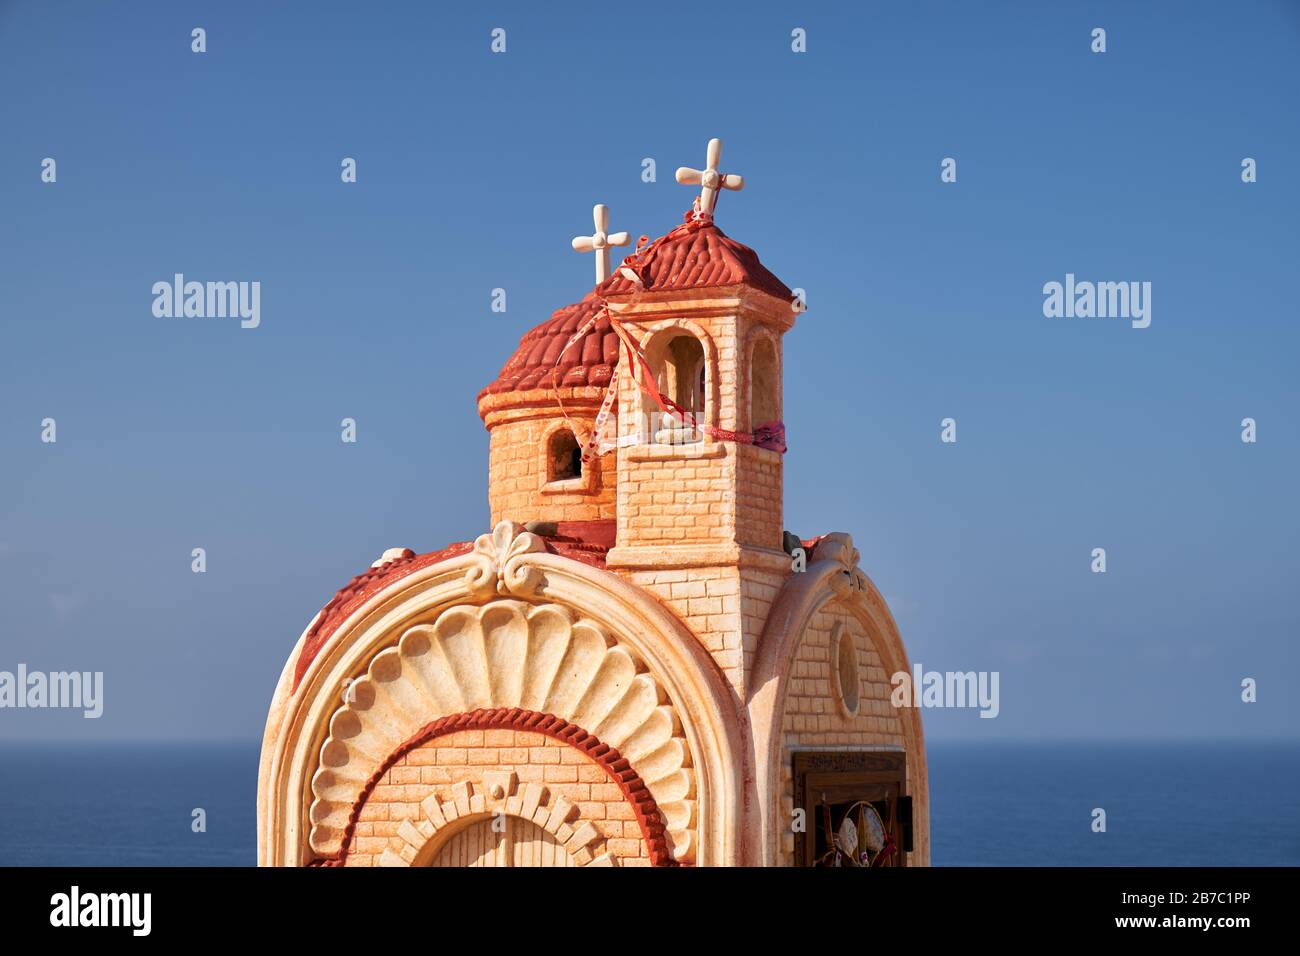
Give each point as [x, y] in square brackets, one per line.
[709, 179]
[601, 241]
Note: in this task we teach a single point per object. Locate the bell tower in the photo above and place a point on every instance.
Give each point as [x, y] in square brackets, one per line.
[700, 439]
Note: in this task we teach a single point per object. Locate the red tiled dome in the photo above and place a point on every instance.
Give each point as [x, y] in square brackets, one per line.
[589, 361]
[698, 255]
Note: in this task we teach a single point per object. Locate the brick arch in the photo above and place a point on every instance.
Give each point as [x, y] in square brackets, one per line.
[615, 765]
[421, 842]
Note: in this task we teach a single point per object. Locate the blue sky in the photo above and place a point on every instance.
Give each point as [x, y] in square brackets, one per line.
[474, 170]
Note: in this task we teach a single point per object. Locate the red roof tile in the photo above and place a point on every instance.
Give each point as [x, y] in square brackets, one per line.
[359, 590]
[589, 361]
[696, 255]
[585, 541]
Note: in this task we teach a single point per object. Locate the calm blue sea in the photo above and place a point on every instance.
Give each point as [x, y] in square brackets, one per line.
[992, 804]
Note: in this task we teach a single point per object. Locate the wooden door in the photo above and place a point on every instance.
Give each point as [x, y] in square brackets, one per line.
[837, 779]
[512, 842]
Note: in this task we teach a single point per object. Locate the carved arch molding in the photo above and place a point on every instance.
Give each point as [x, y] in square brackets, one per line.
[503, 656]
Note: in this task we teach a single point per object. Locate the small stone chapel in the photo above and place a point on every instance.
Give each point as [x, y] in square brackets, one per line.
[636, 664]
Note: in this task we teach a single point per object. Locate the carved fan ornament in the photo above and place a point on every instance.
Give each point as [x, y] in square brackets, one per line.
[505, 653]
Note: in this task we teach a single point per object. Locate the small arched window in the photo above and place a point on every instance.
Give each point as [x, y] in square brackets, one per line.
[762, 384]
[682, 378]
[564, 457]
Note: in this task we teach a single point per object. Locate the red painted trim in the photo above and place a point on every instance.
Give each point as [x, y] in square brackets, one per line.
[513, 718]
[361, 589]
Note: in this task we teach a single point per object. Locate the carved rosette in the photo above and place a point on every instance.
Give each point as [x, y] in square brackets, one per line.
[500, 563]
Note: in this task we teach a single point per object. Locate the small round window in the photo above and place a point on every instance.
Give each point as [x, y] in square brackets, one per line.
[846, 670]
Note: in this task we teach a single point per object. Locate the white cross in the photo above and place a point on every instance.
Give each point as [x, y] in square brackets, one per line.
[600, 242]
[709, 179]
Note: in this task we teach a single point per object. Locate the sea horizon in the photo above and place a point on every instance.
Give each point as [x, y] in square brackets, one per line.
[1024, 802]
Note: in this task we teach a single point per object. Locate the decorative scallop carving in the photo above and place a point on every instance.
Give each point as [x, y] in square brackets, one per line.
[506, 653]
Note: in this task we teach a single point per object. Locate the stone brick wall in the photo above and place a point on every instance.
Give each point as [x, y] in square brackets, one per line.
[466, 756]
[516, 476]
[721, 499]
[759, 497]
[725, 607]
[759, 588]
[676, 499]
[674, 495]
[812, 719]
[708, 601]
